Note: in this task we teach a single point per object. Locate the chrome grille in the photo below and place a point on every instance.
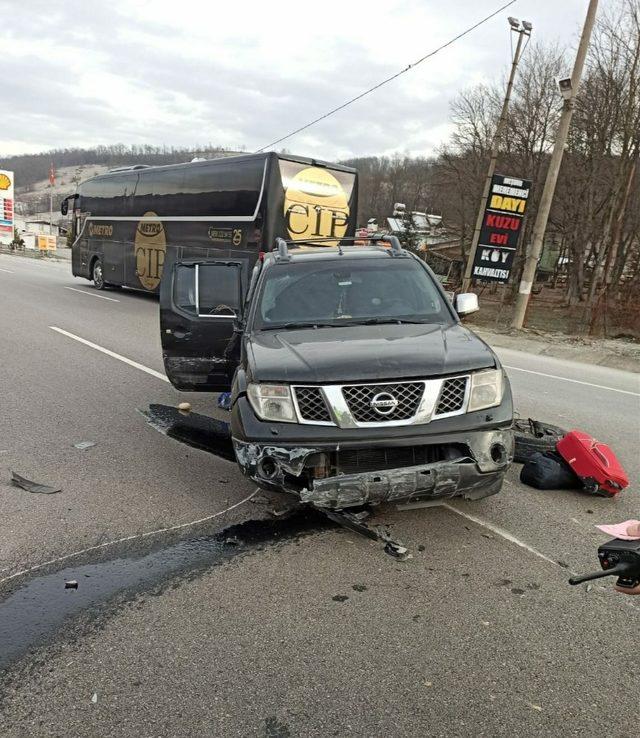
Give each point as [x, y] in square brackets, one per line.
[359, 396]
[312, 405]
[452, 395]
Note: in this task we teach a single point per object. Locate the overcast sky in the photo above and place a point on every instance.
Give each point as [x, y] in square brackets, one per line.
[245, 72]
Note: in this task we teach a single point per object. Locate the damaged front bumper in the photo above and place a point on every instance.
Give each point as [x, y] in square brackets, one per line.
[470, 464]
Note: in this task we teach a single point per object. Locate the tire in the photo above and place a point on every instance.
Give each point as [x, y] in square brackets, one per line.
[532, 436]
[97, 275]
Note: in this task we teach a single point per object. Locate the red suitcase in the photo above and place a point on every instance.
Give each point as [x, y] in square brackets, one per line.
[594, 462]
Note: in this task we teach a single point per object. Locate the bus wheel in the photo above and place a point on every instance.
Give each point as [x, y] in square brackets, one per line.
[97, 275]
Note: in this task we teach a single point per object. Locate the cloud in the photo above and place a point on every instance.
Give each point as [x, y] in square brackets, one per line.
[246, 73]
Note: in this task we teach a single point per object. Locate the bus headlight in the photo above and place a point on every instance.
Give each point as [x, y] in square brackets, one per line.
[486, 389]
[272, 402]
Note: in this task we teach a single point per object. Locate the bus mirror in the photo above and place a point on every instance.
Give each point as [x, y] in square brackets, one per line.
[64, 206]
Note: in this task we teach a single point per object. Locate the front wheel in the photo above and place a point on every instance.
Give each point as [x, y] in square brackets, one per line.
[97, 275]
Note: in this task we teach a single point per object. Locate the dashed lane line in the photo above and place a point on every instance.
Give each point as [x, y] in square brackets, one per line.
[112, 354]
[91, 294]
[575, 381]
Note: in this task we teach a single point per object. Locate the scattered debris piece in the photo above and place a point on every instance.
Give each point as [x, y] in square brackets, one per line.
[517, 591]
[428, 684]
[534, 707]
[192, 429]
[224, 400]
[415, 618]
[33, 487]
[359, 587]
[273, 728]
[355, 521]
[422, 547]
[94, 697]
[83, 445]
[71, 584]
[487, 535]
[184, 408]
[339, 598]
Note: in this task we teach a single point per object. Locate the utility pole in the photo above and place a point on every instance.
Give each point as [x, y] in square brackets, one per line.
[569, 89]
[495, 145]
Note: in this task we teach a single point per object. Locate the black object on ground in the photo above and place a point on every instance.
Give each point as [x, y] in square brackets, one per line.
[533, 436]
[192, 429]
[355, 521]
[33, 613]
[549, 470]
[33, 487]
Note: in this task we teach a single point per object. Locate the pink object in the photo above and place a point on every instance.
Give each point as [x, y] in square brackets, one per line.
[620, 530]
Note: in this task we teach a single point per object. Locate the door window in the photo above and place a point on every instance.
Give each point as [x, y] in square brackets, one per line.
[207, 290]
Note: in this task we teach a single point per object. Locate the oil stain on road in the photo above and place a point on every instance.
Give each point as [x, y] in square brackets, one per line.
[34, 613]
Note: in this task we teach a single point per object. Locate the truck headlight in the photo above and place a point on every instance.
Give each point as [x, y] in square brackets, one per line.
[272, 402]
[486, 389]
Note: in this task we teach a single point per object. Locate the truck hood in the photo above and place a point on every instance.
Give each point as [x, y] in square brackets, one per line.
[365, 353]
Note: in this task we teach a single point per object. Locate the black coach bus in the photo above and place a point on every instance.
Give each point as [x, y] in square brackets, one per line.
[128, 223]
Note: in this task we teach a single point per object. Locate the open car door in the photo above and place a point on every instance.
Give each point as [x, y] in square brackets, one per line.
[200, 301]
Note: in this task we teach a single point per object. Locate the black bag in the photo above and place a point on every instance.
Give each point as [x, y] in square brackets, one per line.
[548, 470]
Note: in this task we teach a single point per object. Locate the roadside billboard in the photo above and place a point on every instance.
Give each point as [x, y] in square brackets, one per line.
[46, 243]
[6, 206]
[501, 225]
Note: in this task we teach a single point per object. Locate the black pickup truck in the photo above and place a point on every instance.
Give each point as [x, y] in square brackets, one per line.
[352, 378]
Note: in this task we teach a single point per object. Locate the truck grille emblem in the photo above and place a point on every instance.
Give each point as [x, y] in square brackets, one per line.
[384, 403]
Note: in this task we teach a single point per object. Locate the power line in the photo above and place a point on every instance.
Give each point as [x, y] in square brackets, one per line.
[388, 79]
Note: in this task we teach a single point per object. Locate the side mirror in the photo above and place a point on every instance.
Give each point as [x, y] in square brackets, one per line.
[64, 206]
[467, 303]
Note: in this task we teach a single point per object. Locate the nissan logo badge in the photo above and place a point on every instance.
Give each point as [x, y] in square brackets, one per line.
[384, 403]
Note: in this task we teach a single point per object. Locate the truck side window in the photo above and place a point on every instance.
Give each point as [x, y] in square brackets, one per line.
[207, 290]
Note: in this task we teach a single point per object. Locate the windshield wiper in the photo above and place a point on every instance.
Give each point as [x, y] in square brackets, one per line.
[384, 321]
[292, 324]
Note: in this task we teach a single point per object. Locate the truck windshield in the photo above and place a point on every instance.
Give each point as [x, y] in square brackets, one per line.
[349, 292]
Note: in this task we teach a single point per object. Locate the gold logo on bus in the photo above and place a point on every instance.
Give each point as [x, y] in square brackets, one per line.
[315, 206]
[151, 248]
[96, 229]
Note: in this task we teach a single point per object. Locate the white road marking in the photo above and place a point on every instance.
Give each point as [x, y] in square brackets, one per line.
[575, 381]
[91, 294]
[506, 535]
[129, 538]
[8, 271]
[113, 354]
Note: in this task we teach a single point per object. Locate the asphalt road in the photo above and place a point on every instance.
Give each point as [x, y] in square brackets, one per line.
[315, 634]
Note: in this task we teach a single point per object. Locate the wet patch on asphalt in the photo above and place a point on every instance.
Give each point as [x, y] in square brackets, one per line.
[37, 610]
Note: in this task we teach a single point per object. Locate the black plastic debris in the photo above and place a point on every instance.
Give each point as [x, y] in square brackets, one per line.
[33, 487]
[355, 521]
[71, 584]
[192, 429]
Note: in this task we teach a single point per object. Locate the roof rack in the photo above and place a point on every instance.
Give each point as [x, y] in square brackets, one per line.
[130, 168]
[282, 245]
